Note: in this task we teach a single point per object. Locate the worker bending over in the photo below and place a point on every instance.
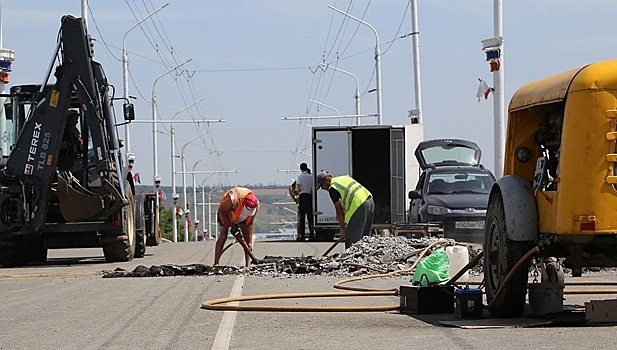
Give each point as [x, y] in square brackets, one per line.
[354, 205]
[238, 206]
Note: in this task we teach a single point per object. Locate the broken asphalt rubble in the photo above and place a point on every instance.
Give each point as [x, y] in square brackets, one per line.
[370, 255]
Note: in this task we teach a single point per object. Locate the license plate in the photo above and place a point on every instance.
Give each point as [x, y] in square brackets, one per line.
[469, 224]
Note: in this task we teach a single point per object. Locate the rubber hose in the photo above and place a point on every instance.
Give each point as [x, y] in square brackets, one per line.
[213, 304]
[506, 281]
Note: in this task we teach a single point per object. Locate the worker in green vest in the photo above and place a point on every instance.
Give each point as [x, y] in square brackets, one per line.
[354, 205]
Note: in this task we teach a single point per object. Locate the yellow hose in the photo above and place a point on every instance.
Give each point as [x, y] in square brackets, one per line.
[214, 304]
[367, 292]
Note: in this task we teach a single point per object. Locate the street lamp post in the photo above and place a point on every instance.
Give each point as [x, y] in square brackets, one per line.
[195, 186]
[357, 93]
[154, 128]
[125, 71]
[173, 164]
[377, 61]
[186, 228]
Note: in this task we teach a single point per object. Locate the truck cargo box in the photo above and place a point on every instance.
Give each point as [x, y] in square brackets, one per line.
[380, 157]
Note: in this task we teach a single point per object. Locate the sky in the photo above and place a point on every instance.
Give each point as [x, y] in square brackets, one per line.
[252, 62]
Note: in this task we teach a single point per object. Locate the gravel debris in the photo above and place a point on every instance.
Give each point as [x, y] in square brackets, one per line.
[370, 255]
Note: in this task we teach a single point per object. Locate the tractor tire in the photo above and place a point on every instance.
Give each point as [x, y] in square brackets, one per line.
[500, 256]
[13, 253]
[37, 250]
[140, 227]
[122, 248]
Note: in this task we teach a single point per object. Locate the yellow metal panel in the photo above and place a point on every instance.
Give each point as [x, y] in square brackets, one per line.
[543, 91]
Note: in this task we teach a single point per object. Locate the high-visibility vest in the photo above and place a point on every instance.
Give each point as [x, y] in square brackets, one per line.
[352, 194]
[237, 203]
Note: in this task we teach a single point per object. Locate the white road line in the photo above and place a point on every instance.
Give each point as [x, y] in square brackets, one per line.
[223, 334]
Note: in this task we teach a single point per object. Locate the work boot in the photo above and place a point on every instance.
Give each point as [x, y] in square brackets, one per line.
[300, 239]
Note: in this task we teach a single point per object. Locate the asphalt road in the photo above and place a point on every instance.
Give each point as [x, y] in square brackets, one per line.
[66, 304]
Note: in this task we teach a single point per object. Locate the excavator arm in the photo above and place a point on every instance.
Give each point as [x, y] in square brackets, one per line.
[32, 165]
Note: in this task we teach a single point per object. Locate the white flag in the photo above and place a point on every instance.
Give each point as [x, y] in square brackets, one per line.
[483, 90]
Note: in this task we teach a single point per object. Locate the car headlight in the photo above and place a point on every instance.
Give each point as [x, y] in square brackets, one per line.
[436, 210]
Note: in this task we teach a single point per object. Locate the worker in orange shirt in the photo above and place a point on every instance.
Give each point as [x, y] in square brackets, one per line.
[238, 206]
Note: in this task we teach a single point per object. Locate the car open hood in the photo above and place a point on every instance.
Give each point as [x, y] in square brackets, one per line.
[447, 152]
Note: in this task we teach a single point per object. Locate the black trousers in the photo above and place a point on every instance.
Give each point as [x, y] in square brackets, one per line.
[305, 210]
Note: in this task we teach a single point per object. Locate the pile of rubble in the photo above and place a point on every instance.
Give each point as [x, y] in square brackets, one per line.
[371, 255]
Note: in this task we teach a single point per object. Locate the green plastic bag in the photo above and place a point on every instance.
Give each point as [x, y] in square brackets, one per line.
[432, 269]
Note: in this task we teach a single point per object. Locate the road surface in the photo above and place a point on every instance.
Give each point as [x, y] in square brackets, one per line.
[66, 304]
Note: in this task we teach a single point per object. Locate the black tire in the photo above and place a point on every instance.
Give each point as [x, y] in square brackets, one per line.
[117, 249]
[140, 226]
[37, 250]
[500, 256]
[13, 253]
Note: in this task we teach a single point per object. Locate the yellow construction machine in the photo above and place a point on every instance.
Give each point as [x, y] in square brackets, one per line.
[558, 196]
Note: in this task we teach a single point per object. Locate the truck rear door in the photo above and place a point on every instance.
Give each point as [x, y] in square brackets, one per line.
[331, 153]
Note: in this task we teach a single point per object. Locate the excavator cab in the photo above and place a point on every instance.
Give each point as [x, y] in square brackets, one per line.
[558, 196]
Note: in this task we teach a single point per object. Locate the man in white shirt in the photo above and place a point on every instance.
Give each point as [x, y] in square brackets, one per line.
[305, 190]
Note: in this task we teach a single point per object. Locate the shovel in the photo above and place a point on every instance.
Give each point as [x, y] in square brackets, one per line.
[235, 231]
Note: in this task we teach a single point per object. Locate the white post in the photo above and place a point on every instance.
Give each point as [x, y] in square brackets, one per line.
[125, 73]
[210, 216]
[415, 35]
[377, 61]
[499, 95]
[173, 183]
[194, 204]
[84, 12]
[186, 227]
[154, 128]
[203, 208]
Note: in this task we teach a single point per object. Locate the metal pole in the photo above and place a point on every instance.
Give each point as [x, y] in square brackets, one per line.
[194, 205]
[499, 102]
[377, 61]
[154, 128]
[173, 183]
[173, 167]
[415, 35]
[84, 13]
[210, 215]
[186, 228]
[325, 105]
[125, 72]
[357, 93]
[193, 172]
[203, 208]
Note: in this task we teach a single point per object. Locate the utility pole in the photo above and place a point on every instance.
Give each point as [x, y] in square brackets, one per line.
[377, 61]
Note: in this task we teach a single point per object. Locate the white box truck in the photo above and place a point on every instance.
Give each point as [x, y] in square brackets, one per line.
[380, 157]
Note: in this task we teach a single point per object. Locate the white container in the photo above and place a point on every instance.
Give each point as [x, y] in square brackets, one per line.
[459, 258]
[545, 298]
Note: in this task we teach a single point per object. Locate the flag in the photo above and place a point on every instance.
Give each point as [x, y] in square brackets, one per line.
[483, 90]
[179, 211]
[162, 196]
[136, 178]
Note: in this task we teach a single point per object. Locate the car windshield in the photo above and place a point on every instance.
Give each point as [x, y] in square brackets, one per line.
[460, 181]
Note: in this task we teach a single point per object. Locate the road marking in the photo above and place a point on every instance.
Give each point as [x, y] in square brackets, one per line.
[222, 339]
